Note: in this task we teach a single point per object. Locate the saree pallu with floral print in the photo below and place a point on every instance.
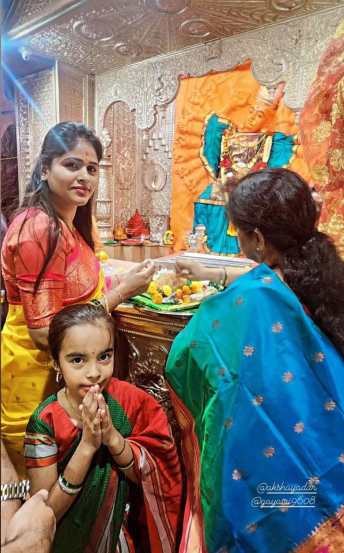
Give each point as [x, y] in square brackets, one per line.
[258, 391]
[322, 136]
[94, 523]
[72, 276]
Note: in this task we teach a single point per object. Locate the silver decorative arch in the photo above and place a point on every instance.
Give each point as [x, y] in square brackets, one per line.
[285, 51]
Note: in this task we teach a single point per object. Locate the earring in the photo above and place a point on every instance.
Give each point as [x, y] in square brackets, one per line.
[58, 375]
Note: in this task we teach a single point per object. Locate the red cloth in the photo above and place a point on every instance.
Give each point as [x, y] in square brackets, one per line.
[156, 461]
[70, 277]
[322, 137]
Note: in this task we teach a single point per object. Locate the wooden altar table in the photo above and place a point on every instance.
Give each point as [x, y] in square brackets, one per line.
[144, 338]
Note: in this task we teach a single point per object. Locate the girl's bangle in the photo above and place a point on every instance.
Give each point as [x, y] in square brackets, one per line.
[123, 448]
[68, 487]
[128, 466]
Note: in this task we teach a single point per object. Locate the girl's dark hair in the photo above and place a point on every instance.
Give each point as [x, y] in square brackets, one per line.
[77, 314]
[280, 204]
[59, 140]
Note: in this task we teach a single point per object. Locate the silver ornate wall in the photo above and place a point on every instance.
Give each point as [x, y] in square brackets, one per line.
[134, 106]
[43, 99]
[144, 91]
[36, 112]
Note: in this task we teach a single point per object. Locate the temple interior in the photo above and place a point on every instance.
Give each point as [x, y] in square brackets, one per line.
[186, 97]
[148, 76]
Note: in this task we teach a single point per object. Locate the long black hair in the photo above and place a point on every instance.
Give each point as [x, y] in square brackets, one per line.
[59, 140]
[280, 204]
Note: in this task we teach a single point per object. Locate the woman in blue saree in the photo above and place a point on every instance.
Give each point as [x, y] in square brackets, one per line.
[257, 381]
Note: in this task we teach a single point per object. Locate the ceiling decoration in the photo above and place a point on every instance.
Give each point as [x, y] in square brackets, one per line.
[96, 35]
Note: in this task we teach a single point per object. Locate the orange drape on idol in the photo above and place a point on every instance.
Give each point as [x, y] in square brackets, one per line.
[230, 95]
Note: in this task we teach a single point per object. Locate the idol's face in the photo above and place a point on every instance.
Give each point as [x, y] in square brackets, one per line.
[255, 120]
[73, 177]
[86, 358]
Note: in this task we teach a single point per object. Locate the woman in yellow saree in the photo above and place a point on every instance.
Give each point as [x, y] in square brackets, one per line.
[48, 262]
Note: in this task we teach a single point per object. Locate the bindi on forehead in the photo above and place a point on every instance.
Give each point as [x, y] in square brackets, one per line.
[83, 149]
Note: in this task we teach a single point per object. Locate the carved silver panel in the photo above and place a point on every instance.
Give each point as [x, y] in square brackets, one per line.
[141, 174]
[148, 90]
[89, 100]
[36, 112]
[71, 94]
[293, 59]
[43, 99]
[96, 35]
[104, 201]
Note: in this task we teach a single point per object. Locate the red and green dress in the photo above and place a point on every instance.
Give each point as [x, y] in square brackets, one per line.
[96, 520]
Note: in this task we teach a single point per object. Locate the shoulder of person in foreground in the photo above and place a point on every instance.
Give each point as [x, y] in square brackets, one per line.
[217, 327]
[256, 303]
[29, 218]
[28, 229]
[248, 289]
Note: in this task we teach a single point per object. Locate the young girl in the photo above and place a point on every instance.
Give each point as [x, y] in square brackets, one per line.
[48, 261]
[96, 437]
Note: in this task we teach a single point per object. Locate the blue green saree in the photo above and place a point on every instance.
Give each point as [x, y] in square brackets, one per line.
[258, 391]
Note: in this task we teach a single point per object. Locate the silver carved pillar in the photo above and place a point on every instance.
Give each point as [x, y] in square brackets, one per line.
[104, 196]
[104, 202]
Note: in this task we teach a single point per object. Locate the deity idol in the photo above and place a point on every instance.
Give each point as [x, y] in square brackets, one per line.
[229, 153]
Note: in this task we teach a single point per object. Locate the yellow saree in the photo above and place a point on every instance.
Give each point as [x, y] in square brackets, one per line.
[72, 276]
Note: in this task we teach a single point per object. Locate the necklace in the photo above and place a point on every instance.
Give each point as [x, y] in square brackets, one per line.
[72, 408]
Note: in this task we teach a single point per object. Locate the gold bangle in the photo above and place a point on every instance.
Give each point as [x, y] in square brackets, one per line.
[223, 279]
[128, 466]
[227, 279]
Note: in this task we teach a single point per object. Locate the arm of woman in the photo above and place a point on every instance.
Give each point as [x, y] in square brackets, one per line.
[22, 535]
[131, 283]
[39, 305]
[39, 336]
[222, 275]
